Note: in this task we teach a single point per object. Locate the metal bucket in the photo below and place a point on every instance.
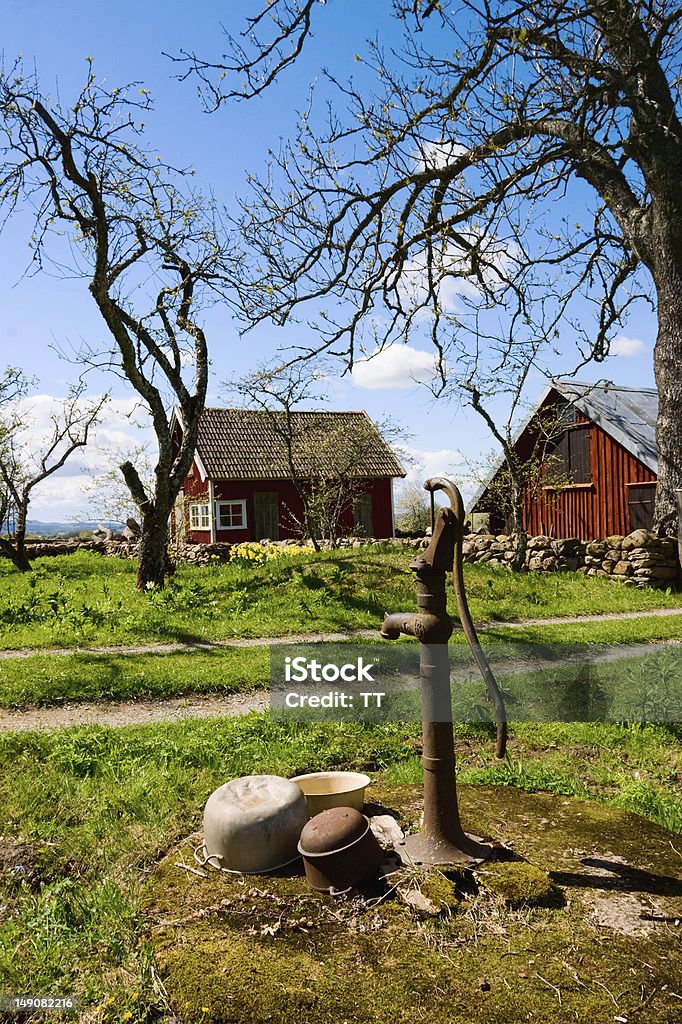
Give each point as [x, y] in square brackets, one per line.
[339, 850]
[252, 825]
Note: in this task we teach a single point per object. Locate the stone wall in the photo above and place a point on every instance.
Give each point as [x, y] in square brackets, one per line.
[640, 559]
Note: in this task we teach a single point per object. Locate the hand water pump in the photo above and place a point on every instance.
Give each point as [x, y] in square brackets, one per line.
[442, 839]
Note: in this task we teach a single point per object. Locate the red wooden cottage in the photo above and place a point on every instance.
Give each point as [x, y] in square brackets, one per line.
[603, 453]
[240, 486]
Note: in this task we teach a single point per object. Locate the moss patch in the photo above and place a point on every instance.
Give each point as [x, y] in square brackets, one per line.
[243, 950]
[520, 884]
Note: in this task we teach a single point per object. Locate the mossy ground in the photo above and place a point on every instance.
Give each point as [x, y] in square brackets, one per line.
[234, 949]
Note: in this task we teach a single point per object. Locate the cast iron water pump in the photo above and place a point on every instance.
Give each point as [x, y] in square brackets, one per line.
[442, 839]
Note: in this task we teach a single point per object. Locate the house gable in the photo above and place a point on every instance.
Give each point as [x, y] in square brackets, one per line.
[613, 472]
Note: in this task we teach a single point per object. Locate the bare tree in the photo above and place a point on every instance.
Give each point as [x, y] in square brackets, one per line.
[486, 133]
[22, 468]
[149, 247]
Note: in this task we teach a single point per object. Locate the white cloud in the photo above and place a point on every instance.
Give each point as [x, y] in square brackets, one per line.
[122, 429]
[425, 463]
[396, 366]
[433, 156]
[623, 346]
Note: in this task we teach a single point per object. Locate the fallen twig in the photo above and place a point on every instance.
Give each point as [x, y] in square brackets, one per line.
[186, 867]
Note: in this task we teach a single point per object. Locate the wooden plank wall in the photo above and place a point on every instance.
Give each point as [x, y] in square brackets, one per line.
[595, 510]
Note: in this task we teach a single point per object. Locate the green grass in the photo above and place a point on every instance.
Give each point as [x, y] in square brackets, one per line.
[44, 679]
[96, 807]
[85, 599]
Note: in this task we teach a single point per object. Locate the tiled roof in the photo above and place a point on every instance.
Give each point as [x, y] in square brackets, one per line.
[249, 444]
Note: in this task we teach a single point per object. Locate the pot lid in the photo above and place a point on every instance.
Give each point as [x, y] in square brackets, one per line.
[332, 830]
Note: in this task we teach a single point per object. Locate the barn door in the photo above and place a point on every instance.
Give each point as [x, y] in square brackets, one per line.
[641, 498]
[266, 515]
[362, 515]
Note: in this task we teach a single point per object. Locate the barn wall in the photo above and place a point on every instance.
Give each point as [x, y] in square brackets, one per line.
[290, 507]
[595, 510]
[588, 511]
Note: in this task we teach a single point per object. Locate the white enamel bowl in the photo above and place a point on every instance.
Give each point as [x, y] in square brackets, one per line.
[333, 789]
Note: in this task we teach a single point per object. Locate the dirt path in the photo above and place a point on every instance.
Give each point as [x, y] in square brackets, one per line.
[195, 645]
[197, 706]
[174, 709]
[367, 634]
[132, 712]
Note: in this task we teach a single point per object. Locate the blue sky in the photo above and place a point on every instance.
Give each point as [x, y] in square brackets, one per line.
[126, 42]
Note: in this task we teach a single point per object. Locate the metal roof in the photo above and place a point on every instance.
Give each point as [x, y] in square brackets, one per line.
[250, 444]
[628, 415]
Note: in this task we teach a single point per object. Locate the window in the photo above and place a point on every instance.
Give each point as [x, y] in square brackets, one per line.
[569, 461]
[199, 517]
[231, 515]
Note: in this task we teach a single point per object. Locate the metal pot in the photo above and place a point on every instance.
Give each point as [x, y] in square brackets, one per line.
[252, 825]
[339, 850]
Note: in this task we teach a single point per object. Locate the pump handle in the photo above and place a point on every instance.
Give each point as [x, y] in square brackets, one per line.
[442, 483]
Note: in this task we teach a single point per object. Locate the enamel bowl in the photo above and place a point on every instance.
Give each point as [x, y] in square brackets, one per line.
[252, 825]
[333, 789]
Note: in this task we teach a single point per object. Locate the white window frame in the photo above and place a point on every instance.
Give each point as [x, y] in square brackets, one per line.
[235, 501]
[200, 516]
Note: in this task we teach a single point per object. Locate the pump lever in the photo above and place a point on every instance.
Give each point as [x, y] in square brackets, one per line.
[441, 483]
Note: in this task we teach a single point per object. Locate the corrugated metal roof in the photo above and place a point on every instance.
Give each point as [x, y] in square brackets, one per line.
[627, 414]
[249, 444]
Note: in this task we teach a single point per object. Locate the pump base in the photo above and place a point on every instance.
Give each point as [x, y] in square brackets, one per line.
[424, 849]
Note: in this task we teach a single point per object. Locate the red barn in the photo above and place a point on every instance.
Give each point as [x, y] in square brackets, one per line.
[605, 447]
[241, 486]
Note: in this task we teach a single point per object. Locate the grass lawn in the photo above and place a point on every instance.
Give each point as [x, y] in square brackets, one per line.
[44, 679]
[90, 810]
[86, 599]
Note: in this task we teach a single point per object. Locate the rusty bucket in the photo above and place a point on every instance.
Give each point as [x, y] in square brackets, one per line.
[339, 850]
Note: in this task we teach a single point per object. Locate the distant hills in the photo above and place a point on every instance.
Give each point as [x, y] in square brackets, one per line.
[36, 528]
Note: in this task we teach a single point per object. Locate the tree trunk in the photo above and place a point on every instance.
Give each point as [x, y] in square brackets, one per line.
[16, 555]
[20, 557]
[154, 561]
[668, 371]
[518, 563]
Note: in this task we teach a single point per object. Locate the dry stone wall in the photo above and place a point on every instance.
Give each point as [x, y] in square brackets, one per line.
[640, 559]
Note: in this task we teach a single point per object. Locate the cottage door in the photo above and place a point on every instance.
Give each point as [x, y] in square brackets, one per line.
[362, 515]
[641, 501]
[266, 515]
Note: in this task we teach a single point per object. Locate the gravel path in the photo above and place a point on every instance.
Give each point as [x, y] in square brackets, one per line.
[174, 709]
[196, 645]
[267, 641]
[132, 712]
